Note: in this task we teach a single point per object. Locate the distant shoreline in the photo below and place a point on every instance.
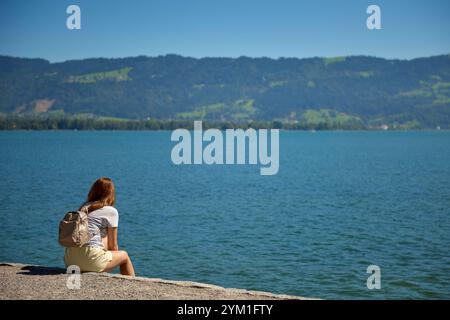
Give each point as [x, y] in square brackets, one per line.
[77, 123]
[165, 92]
[169, 130]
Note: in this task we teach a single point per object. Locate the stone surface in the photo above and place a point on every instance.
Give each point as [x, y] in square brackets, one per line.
[19, 281]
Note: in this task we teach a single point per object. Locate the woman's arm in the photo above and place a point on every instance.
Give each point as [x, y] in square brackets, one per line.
[112, 239]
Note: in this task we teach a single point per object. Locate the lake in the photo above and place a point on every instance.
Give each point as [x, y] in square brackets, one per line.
[340, 202]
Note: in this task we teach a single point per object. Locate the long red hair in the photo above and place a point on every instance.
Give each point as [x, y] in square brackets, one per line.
[102, 193]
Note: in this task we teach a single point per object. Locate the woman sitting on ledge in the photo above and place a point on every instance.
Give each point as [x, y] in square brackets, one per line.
[101, 253]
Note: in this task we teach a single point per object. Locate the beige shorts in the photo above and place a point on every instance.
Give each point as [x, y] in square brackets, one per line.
[88, 259]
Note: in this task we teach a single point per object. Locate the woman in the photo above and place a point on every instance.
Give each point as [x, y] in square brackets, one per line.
[101, 253]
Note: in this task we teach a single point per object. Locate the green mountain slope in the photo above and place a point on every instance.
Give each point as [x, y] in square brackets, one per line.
[357, 89]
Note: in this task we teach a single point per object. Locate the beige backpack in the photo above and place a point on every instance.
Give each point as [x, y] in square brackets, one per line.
[73, 228]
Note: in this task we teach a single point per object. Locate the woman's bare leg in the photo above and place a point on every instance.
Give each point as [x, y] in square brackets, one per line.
[121, 258]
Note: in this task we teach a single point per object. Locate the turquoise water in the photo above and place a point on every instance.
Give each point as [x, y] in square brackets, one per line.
[340, 202]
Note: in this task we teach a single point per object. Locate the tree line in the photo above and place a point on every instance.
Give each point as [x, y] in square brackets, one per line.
[13, 122]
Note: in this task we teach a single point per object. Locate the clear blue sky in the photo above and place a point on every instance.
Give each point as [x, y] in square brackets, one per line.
[226, 28]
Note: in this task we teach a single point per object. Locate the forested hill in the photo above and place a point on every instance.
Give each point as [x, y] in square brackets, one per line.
[350, 90]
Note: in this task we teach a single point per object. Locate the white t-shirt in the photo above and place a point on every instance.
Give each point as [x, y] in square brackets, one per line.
[98, 221]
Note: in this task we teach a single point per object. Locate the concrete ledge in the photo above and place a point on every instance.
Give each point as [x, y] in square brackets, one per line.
[23, 281]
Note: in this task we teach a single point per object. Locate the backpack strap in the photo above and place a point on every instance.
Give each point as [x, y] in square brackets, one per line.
[85, 209]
